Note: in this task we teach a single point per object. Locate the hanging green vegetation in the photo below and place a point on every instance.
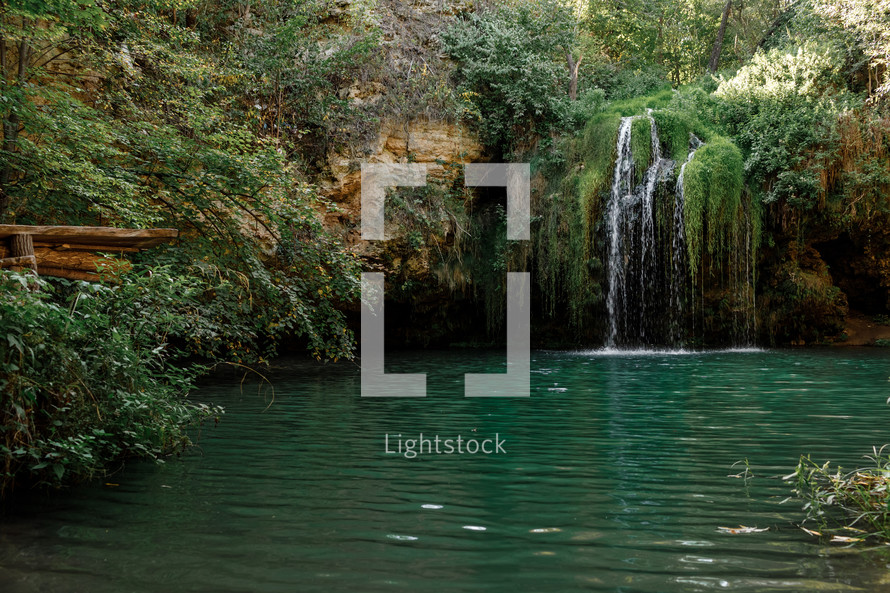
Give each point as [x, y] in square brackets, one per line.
[713, 211]
[594, 157]
[566, 258]
[674, 129]
[641, 146]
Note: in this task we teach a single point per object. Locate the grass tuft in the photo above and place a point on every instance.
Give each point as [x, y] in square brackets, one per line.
[838, 502]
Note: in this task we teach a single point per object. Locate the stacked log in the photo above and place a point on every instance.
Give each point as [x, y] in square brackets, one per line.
[76, 253]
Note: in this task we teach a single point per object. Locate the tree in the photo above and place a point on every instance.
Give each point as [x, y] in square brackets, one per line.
[35, 34]
[574, 64]
[718, 42]
[510, 61]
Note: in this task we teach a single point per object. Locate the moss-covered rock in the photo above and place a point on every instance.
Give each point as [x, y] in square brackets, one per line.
[800, 304]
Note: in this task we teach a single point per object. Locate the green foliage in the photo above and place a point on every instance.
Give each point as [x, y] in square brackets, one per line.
[595, 151]
[675, 128]
[588, 104]
[620, 83]
[178, 135]
[86, 377]
[713, 208]
[690, 111]
[303, 106]
[856, 502]
[639, 105]
[860, 37]
[511, 65]
[159, 119]
[641, 145]
[51, 20]
[781, 76]
[639, 44]
[783, 112]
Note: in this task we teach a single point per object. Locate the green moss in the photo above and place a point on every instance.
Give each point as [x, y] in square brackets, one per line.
[714, 215]
[596, 154]
[674, 128]
[641, 146]
[639, 105]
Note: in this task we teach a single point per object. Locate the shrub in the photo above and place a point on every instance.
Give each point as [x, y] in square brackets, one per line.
[621, 82]
[87, 375]
[588, 104]
[782, 109]
[511, 64]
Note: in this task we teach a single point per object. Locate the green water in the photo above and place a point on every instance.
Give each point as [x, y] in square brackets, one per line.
[615, 478]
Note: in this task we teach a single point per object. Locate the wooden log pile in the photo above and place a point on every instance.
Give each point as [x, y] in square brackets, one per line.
[74, 252]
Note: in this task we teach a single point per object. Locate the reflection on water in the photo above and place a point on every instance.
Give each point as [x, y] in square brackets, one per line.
[615, 478]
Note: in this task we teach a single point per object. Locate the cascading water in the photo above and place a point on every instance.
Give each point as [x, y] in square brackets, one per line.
[655, 297]
[678, 248]
[636, 294]
[622, 187]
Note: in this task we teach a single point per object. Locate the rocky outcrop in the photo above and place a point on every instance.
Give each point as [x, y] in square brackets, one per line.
[407, 102]
[438, 144]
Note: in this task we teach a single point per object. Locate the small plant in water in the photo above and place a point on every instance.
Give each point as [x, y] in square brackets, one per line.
[857, 501]
[745, 475]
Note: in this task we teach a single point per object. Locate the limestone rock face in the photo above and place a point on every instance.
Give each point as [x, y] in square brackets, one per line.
[434, 143]
[404, 110]
[442, 146]
[405, 115]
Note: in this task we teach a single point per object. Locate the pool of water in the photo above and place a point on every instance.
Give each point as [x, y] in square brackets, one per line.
[615, 475]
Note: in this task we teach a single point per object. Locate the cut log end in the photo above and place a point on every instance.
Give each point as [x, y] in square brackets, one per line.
[27, 261]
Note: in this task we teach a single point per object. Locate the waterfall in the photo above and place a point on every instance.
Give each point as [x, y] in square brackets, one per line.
[678, 250]
[654, 295]
[636, 297]
[622, 184]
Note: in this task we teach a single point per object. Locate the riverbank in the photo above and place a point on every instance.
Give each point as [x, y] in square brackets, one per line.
[864, 330]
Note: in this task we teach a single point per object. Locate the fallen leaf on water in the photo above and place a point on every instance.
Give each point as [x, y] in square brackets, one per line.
[741, 529]
[842, 539]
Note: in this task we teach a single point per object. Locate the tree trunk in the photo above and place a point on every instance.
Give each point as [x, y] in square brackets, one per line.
[11, 126]
[22, 247]
[718, 43]
[573, 74]
[10, 140]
